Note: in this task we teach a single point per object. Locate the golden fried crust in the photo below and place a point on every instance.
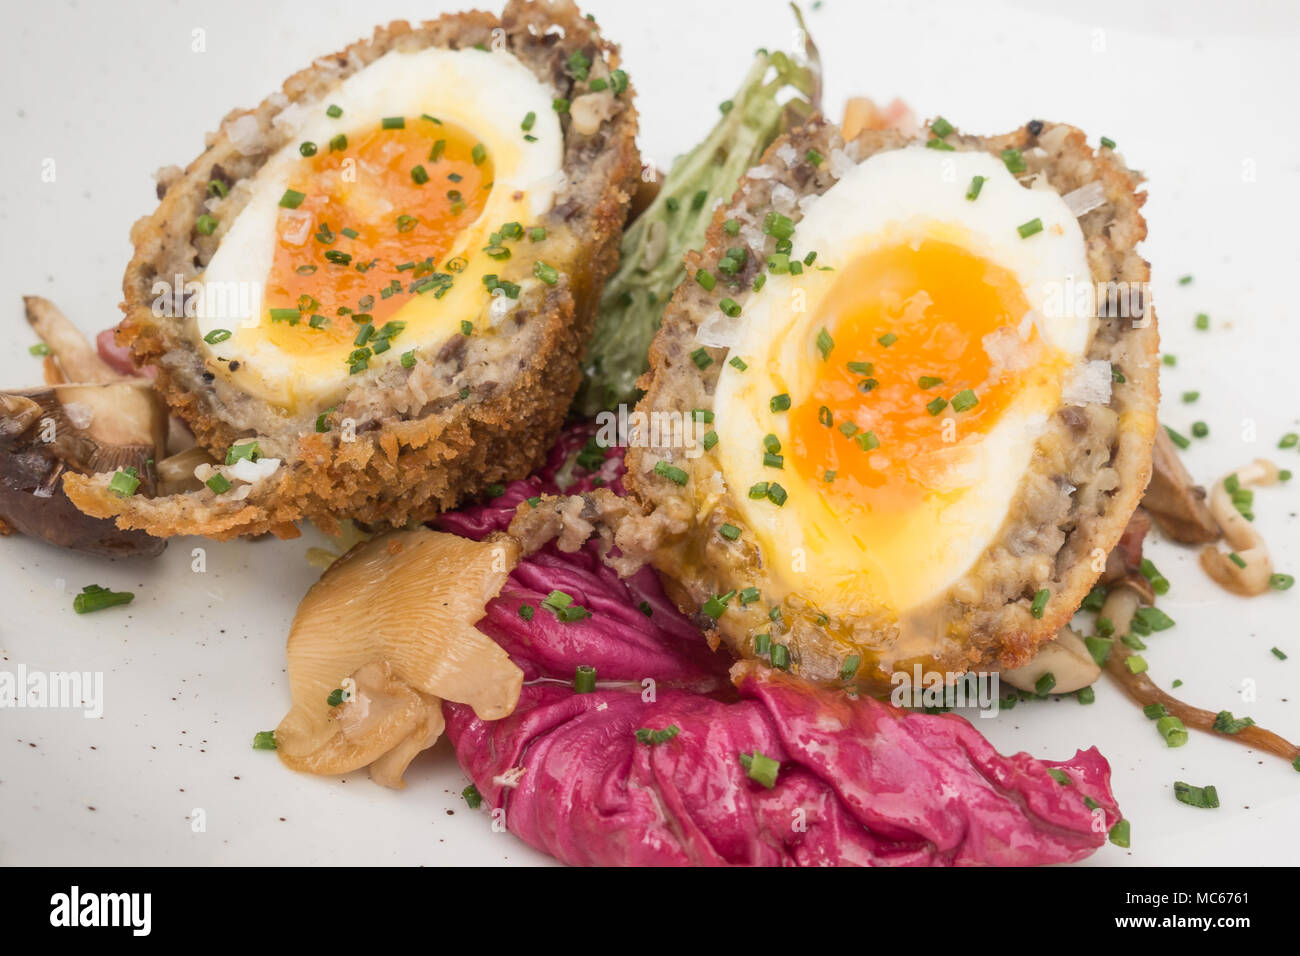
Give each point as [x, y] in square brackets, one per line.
[400, 467]
[1091, 466]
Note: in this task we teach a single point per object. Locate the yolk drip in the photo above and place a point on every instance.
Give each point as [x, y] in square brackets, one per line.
[370, 187]
[906, 313]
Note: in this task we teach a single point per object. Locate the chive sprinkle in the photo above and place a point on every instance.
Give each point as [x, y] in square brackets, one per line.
[665, 470]
[584, 679]
[1205, 798]
[1040, 603]
[1033, 227]
[95, 598]
[976, 184]
[760, 768]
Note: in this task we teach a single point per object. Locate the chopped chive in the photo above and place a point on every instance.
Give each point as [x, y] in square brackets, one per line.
[964, 400]
[338, 143]
[729, 307]
[814, 157]
[334, 112]
[529, 119]
[478, 154]
[1173, 730]
[1281, 582]
[547, 273]
[584, 679]
[776, 494]
[779, 655]
[205, 225]
[420, 175]
[779, 403]
[1136, 664]
[393, 122]
[850, 667]
[1033, 227]
[1182, 441]
[706, 279]
[1085, 695]
[1040, 602]
[264, 740]
[701, 358]
[888, 339]
[760, 768]
[1202, 322]
[671, 472]
[292, 199]
[125, 482]
[941, 127]
[1200, 429]
[1205, 798]
[218, 483]
[825, 343]
[729, 531]
[473, 799]
[1119, 834]
[929, 381]
[936, 405]
[976, 184]
[1107, 143]
[1013, 160]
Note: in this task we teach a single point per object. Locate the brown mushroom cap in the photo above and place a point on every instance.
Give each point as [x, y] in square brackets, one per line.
[48, 432]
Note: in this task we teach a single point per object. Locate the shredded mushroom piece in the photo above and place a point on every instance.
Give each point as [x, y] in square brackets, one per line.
[1251, 576]
[1121, 604]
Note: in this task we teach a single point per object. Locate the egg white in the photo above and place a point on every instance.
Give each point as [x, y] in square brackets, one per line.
[487, 93]
[894, 197]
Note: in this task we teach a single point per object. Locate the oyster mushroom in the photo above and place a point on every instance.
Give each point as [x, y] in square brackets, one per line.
[390, 627]
[1174, 500]
[1065, 657]
[48, 432]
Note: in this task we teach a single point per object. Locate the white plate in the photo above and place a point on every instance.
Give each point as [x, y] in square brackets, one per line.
[1197, 95]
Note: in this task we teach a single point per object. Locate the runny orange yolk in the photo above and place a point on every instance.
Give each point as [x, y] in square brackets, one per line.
[906, 313]
[371, 187]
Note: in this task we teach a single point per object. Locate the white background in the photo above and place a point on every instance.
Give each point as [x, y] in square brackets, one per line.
[1201, 96]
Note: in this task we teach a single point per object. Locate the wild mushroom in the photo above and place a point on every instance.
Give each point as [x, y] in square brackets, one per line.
[1174, 500]
[1246, 568]
[385, 635]
[89, 418]
[74, 358]
[50, 431]
[1065, 657]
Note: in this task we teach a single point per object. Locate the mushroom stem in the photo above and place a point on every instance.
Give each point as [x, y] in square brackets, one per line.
[75, 356]
[1250, 572]
[1174, 500]
[1121, 604]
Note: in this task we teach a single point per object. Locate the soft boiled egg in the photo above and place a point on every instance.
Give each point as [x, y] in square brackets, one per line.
[880, 407]
[378, 229]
